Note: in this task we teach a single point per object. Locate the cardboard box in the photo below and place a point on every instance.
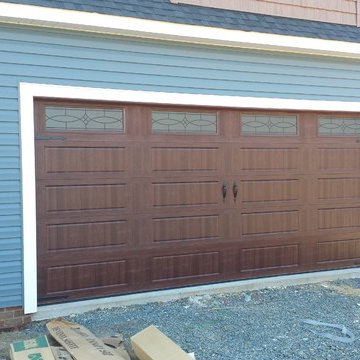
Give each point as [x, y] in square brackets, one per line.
[34, 349]
[80, 342]
[152, 344]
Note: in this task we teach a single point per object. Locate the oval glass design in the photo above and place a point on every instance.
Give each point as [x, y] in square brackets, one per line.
[85, 119]
[268, 125]
[338, 126]
[184, 122]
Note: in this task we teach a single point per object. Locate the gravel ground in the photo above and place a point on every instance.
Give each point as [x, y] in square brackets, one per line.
[260, 325]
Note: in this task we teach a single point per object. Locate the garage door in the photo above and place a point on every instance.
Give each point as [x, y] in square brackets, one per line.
[139, 197]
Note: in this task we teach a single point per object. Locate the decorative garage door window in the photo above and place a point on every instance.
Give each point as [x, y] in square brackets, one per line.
[268, 124]
[184, 122]
[339, 126]
[86, 119]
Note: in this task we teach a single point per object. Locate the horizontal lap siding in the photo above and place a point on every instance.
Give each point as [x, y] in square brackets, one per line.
[10, 199]
[56, 57]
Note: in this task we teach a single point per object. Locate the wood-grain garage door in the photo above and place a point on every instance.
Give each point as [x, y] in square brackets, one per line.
[139, 197]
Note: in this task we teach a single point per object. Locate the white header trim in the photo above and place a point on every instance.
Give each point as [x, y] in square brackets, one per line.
[127, 26]
[29, 91]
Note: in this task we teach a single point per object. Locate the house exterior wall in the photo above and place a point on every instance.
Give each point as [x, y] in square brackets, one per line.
[335, 11]
[79, 59]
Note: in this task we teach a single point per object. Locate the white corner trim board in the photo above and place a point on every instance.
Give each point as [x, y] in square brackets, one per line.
[29, 91]
[162, 30]
[28, 199]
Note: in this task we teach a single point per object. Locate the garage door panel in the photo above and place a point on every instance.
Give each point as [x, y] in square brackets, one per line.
[339, 188]
[77, 256]
[178, 230]
[338, 218]
[84, 159]
[176, 194]
[255, 159]
[85, 197]
[87, 276]
[185, 158]
[270, 222]
[337, 250]
[270, 191]
[338, 159]
[186, 228]
[269, 258]
[185, 266]
[186, 193]
[67, 236]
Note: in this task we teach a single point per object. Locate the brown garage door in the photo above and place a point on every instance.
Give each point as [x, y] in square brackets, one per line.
[138, 197]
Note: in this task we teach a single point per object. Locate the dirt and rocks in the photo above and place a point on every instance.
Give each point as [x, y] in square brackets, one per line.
[260, 325]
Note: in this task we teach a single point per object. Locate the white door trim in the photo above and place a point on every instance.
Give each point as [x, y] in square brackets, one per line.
[29, 91]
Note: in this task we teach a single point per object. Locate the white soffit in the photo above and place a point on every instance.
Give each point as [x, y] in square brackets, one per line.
[128, 26]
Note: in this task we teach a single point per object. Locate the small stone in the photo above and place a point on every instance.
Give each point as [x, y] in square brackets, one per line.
[247, 298]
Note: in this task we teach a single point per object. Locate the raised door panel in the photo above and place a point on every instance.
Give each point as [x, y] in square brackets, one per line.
[264, 159]
[271, 222]
[339, 218]
[270, 190]
[87, 235]
[82, 159]
[175, 268]
[269, 258]
[83, 199]
[338, 159]
[186, 228]
[87, 276]
[337, 249]
[168, 194]
[186, 158]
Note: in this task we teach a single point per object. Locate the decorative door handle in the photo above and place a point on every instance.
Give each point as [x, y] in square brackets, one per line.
[235, 189]
[224, 190]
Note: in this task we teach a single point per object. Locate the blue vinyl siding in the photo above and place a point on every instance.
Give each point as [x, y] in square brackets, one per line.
[65, 58]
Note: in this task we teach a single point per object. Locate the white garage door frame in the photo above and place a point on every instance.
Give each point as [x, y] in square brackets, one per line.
[29, 91]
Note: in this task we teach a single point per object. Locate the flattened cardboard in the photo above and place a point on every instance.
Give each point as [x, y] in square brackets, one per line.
[60, 353]
[113, 341]
[80, 342]
[34, 349]
[117, 342]
[152, 344]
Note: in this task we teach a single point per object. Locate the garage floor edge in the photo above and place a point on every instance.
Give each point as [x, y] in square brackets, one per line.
[55, 310]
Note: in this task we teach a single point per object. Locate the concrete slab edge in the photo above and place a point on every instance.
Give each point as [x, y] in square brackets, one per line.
[51, 311]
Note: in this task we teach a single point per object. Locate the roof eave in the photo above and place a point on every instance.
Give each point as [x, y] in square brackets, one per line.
[161, 30]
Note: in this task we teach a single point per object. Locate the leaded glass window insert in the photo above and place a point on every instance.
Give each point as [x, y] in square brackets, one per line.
[184, 122]
[268, 124]
[338, 126]
[85, 119]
